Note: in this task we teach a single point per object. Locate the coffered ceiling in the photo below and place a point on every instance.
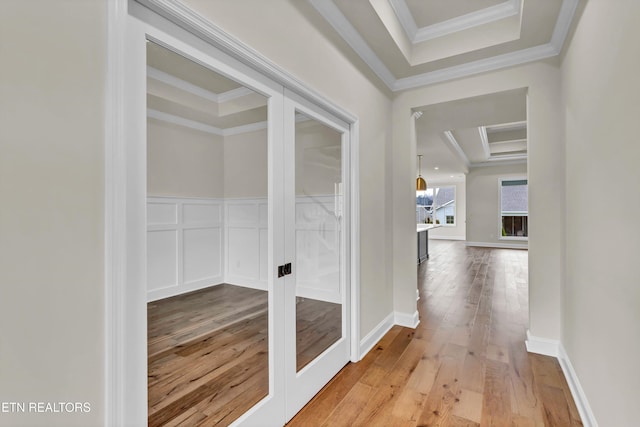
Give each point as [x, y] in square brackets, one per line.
[183, 92]
[410, 43]
[473, 132]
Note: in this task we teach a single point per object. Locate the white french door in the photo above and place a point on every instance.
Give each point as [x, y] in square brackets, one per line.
[307, 234]
[317, 306]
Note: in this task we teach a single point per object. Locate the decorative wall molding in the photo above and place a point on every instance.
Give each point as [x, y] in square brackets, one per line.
[368, 342]
[498, 245]
[246, 245]
[407, 320]
[580, 398]
[194, 243]
[184, 245]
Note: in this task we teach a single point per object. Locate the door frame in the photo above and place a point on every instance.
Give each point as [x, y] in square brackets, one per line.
[304, 384]
[125, 366]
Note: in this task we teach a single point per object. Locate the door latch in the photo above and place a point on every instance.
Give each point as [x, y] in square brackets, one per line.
[284, 270]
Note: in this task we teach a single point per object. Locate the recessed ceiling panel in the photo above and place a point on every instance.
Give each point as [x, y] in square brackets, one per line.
[429, 12]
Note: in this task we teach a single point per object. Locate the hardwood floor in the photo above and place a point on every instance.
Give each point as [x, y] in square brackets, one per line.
[465, 365]
[207, 356]
[208, 352]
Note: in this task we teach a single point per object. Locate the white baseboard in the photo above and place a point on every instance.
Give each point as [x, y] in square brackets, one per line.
[498, 245]
[544, 346]
[171, 291]
[407, 320]
[586, 414]
[367, 343]
[554, 348]
[432, 237]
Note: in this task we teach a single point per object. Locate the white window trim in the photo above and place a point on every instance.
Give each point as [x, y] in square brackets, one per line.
[455, 204]
[512, 238]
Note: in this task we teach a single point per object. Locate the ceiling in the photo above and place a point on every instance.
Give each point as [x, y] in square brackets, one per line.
[406, 43]
[479, 131]
[412, 43]
[183, 92]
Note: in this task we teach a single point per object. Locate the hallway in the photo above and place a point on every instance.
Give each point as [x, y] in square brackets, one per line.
[465, 365]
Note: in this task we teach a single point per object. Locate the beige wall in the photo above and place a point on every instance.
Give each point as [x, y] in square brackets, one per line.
[246, 165]
[183, 162]
[312, 52]
[52, 83]
[601, 308]
[546, 184]
[483, 201]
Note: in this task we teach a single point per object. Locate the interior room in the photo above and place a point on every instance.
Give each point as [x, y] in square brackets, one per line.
[232, 184]
[207, 240]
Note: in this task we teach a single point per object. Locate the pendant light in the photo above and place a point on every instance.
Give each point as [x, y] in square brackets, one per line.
[421, 184]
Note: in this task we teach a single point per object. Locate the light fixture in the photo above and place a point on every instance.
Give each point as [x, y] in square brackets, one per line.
[421, 184]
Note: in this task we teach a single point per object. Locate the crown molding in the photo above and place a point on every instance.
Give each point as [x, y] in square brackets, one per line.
[333, 15]
[563, 23]
[177, 12]
[251, 127]
[476, 67]
[485, 141]
[234, 94]
[154, 73]
[522, 124]
[405, 18]
[456, 147]
[501, 162]
[202, 127]
[185, 17]
[339, 22]
[475, 19]
[181, 121]
[201, 92]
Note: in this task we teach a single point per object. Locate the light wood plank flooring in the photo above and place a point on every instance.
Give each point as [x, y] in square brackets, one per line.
[208, 352]
[465, 365]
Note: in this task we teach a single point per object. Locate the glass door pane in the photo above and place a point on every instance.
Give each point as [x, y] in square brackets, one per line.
[208, 240]
[318, 238]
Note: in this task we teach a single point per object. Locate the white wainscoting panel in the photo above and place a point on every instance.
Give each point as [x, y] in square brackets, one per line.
[184, 245]
[195, 243]
[162, 263]
[202, 253]
[246, 255]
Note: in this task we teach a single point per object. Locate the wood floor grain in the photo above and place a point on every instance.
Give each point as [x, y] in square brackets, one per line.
[465, 365]
[208, 352]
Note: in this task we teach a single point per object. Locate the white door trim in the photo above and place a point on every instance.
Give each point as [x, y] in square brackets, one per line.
[125, 257]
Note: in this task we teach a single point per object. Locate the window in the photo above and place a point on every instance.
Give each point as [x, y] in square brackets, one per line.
[437, 205]
[514, 209]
